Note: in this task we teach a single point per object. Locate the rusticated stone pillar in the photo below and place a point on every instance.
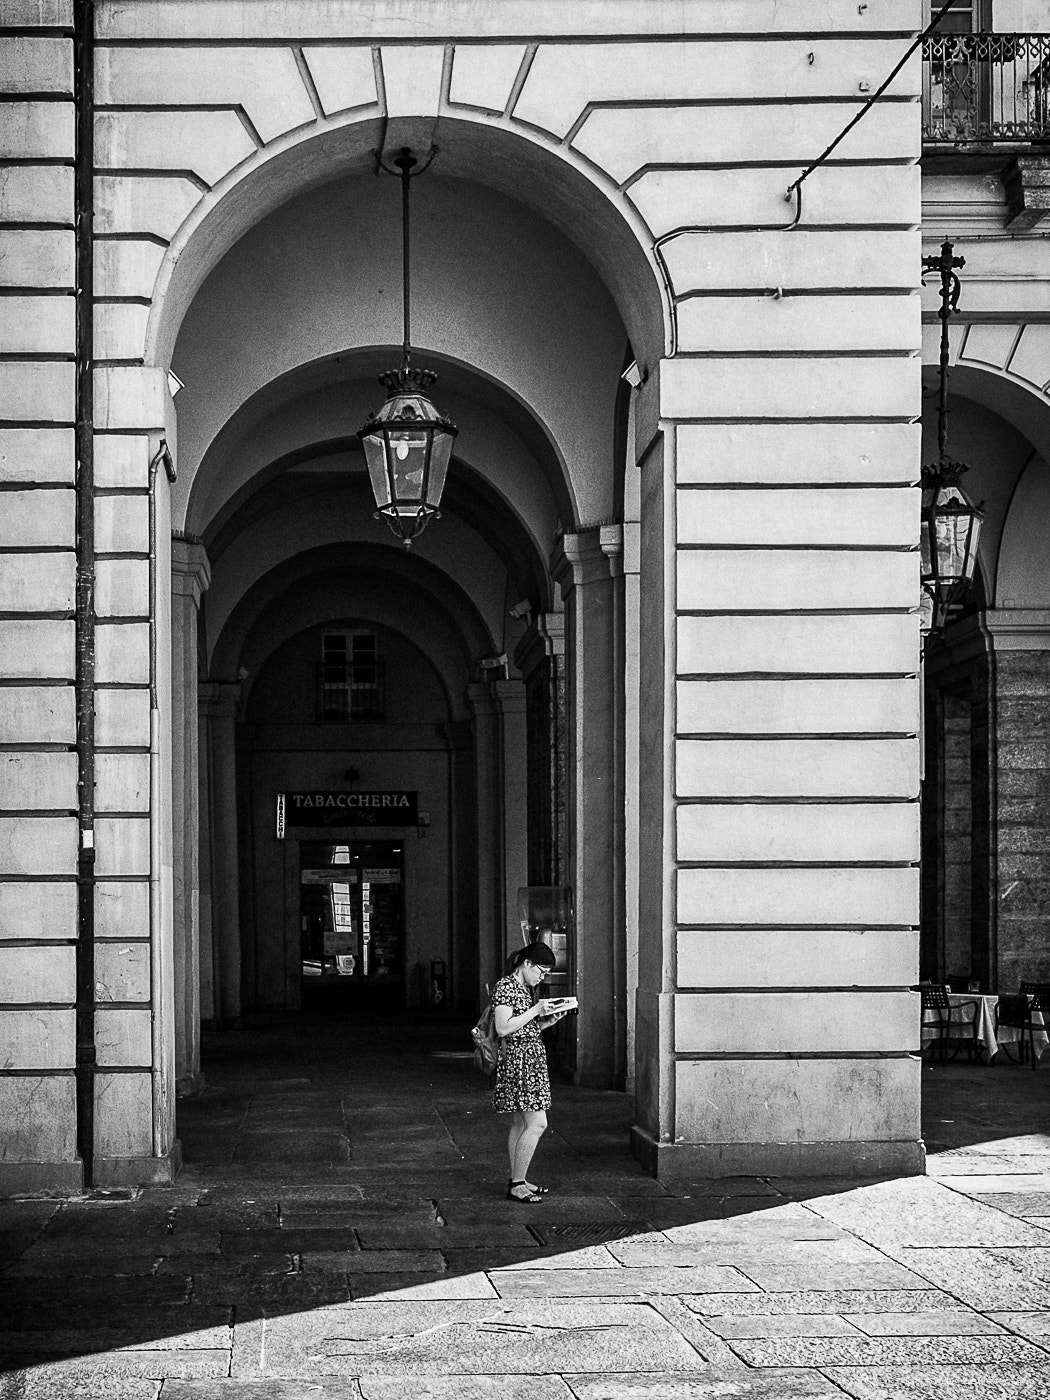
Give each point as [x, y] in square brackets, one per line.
[190, 576]
[587, 570]
[219, 708]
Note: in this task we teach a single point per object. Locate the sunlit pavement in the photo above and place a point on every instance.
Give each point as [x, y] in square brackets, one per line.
[340, 1230]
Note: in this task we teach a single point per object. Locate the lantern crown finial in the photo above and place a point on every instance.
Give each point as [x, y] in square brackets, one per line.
[407, 379]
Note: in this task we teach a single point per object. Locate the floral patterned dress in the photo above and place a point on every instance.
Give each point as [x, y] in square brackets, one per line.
[522, 1081]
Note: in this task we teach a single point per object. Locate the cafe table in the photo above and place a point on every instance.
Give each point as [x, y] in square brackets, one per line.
[975, 1006]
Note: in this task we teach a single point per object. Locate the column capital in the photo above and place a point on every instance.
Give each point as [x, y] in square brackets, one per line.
[545, 637]
[587, 556]
[510, 696]
[190, 568]
[1018, 629]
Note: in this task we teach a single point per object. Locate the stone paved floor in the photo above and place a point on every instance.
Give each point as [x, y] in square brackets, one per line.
[339, 1232]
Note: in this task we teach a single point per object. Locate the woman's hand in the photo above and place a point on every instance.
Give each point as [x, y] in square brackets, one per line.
[508, 1024]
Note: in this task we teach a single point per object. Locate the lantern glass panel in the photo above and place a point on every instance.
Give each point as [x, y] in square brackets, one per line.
[408, 463]
[955, 537]
[440, 456]
[374, 445]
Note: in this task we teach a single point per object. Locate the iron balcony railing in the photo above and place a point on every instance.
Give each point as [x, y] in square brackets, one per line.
[986, 87]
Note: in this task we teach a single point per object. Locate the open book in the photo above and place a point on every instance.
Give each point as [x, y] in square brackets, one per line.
[556, 1004]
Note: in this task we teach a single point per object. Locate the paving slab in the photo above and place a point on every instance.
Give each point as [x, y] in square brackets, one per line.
[1035, 1325]
[458, 1210]
[813, 1254]
[781, 1325]
[419, 1288]
[1031, 1205]
[710, 1383]
[991, 1184]
[374, 1261]
[291, 1147]
[599, 1283]
[259, 1390]
[987, 1382]
[74, 1290]
[429, 1235]
[282, 1241]
[82, 1375]
[1032, 1263]
[283, 1293]
[464, 1387]
[791, 1222]
[148, 1242]
[845, 1301]
[947, 1323]
[225, 1265]
[778, 1278]
[888, 1351]
[438, 1338]
[265, 1192]
[345, 1215]
[78, 1342]
[917, 1211]
[661, 1212]
[44, 1384]
[97, 1265]
[559, 1256]
[983, 1278]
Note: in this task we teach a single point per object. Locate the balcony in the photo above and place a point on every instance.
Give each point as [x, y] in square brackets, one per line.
[981, 89]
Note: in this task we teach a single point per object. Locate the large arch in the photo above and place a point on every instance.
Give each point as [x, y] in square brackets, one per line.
[278, 304]
[985, 827]
[525, 163]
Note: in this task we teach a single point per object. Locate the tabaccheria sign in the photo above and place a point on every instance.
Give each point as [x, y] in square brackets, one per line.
[317, 808]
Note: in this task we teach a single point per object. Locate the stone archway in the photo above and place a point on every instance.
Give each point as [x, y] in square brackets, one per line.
[985, 841]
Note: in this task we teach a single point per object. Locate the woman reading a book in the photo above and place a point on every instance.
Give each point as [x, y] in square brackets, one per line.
[522, 1085]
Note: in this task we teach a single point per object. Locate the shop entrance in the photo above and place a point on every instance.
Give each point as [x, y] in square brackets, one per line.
[352, 925]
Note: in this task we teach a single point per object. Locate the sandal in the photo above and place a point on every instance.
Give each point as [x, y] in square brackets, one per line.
[530, 1198]
[539, 1190]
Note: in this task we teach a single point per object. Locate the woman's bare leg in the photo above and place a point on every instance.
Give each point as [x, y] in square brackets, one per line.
[517, 1127]
[533, 1127]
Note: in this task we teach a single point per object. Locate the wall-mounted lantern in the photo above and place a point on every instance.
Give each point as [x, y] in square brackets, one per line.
[408, 443]
[950, 523]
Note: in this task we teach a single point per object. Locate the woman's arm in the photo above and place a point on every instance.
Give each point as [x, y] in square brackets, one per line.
[507, 1023]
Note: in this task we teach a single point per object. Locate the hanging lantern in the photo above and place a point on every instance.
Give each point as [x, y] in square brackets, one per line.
[407, 446]
[950, 532]
[950, 526]
[408, 443]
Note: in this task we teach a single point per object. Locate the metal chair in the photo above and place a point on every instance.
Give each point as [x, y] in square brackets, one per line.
[1019, 1012]
[944, 1017]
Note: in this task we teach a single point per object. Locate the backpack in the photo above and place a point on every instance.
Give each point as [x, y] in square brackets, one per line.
[486, 1041]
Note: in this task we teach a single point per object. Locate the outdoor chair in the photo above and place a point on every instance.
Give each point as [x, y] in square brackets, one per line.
[940, 1016]
[1019, 1012]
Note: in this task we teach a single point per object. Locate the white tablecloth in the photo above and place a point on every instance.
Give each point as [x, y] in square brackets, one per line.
[972, 1005]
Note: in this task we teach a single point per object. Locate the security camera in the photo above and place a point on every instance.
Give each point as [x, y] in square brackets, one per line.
[522, 609]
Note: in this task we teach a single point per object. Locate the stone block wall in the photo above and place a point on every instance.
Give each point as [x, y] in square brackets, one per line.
[1022, 689]
[778, 578]
[38, 765]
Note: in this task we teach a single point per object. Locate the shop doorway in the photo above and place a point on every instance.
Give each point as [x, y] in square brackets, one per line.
[352, 925]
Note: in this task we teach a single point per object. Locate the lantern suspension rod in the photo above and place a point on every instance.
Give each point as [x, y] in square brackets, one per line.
[404, 163]
[405, 168]
[945, 264]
